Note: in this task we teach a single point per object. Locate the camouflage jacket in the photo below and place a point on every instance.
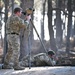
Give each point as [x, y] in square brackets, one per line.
[43, 59]
[14, 24]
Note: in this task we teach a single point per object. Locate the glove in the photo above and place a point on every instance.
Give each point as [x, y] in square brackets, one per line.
[28, 17]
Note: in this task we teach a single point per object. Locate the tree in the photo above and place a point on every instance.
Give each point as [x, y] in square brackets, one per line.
[69, 26]
[42, 23]
[6, 17]
[24, 36]
[51, 32]
[58, 24]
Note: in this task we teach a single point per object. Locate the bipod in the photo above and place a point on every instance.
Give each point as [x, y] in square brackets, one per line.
[29, 61]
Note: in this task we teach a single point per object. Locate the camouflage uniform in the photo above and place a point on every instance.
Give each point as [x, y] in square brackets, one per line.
[41, 59]
[13, 26]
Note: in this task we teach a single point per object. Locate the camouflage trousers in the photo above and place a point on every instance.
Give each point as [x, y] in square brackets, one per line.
[13, 51]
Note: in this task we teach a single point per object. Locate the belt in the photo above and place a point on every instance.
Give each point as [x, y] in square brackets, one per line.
[13, 33]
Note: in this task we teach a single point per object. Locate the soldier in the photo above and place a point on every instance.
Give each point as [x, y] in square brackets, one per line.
[13, 26]
[41, 59]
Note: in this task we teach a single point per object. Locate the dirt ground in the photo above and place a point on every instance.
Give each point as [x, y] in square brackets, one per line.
[61, 70]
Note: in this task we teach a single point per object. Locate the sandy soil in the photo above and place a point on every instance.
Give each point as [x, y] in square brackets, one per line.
[40, 71]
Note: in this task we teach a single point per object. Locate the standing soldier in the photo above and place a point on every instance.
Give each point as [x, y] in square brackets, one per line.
[13, 26]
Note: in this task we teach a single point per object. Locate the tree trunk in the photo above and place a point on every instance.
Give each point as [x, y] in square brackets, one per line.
[58, 25]
[69, 26]
[51, 32]
[5, 36]
[42, 23]
[24, 40]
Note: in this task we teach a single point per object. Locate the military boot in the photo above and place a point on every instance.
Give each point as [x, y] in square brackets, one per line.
[7, 67]
[18, 67]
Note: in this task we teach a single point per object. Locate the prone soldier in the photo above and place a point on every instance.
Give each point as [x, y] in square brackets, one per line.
[41, 59]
